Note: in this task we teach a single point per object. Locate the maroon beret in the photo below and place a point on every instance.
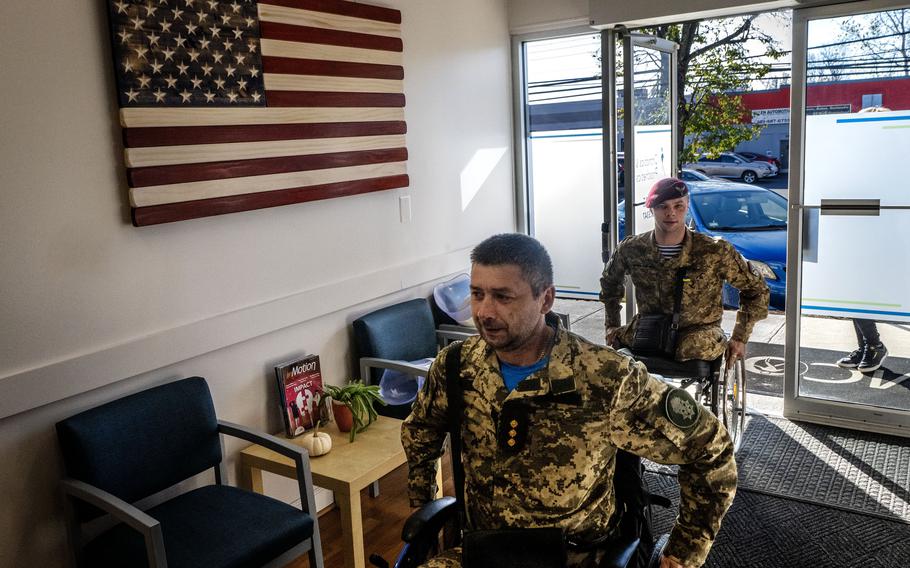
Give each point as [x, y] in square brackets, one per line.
[664, 189]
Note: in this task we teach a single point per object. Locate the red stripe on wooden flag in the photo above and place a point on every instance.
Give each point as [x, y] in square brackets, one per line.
[189, 135]
[333, 99]
[183, 173]
[331, 68]
[341, 8]
[168, 213]
[290, 32]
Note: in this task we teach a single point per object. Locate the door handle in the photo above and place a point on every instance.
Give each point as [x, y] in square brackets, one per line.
[851, 207]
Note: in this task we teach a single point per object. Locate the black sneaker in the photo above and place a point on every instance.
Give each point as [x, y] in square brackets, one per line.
[852, 360]
[872, 358]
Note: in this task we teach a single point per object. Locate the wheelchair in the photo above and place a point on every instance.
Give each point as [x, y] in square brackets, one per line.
[435, 527]
[722, 390]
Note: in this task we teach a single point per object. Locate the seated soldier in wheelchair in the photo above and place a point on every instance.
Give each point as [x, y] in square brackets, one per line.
[679, 276]
[541, 415]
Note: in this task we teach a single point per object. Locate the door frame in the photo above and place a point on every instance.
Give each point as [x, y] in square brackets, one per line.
[796, 407]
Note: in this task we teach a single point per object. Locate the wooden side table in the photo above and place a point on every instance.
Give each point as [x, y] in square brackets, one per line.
[346, 470]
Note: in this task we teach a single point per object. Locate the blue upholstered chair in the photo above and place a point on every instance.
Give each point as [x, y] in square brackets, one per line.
[134, 447]
[391, 337]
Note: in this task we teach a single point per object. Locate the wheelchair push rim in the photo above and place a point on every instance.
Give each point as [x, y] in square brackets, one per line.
[733, 401]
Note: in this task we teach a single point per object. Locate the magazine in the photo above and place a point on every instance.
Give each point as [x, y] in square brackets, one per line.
[299, 389]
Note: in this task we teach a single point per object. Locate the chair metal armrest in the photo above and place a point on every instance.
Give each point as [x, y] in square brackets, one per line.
[448, 333]
[297, 453]
[140, 521]
[367, 363]
[428, 520]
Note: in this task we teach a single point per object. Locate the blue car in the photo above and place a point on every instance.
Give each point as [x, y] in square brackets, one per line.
[752, 219]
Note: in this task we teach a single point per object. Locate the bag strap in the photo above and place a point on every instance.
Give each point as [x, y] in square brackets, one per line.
[677, 295]
[455, 400]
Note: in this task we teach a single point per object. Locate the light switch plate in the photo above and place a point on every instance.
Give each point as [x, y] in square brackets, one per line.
[404, 208]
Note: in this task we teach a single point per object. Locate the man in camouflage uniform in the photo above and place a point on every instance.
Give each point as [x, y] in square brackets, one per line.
[540, 451]
[709, 262]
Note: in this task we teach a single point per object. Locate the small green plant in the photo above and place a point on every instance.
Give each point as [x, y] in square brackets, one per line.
[359, 398]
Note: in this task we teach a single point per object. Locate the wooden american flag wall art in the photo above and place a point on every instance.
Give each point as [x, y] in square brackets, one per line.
[234, 105]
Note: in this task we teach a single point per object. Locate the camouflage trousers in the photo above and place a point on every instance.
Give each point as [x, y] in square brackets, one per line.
[706, 342]
[452, 559]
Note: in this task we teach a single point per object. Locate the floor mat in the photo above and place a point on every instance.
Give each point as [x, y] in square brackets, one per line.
[854, 471]
[762, 531]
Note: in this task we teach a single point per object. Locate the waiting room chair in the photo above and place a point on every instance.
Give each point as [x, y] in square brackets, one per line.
[134, 447]
[392, 337]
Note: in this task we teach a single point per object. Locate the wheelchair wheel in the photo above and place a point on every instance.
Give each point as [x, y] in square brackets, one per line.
[733, 402]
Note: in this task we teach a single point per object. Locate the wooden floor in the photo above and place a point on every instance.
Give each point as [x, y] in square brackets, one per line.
[383, 518]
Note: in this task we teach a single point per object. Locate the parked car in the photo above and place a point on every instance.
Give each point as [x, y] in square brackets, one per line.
[752, 219]
[761, 158]
[692, 175]
[729, 165]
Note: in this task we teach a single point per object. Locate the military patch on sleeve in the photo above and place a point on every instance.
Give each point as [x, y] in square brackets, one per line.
[681, 409]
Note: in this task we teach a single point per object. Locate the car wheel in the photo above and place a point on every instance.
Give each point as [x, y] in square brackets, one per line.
[749, 176]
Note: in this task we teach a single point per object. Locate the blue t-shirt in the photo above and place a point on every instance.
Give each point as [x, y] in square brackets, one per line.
[513, 374]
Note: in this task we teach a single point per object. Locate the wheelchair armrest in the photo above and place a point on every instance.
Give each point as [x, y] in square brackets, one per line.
[619, 553]
[448, 333]
[426, 522]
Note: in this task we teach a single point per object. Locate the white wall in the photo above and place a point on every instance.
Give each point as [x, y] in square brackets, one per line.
[92, 308]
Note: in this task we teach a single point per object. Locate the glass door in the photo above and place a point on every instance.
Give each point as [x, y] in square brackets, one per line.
[649, 129]
[848, 297]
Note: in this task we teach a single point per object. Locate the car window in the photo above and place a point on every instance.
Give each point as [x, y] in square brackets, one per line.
[727, 159]
[704, 159]
[732, 210]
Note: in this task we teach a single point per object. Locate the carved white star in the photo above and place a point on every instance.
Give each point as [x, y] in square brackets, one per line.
[241, 84]
[132, 95]
[165, 26]
[254, 71]
[194, 55]
[150, 10]
[159, 95]
[178, 14]
[191, 29]
[186, 96]
[238, 33]
[153, 38]
[216, 56]
[209, 96]
[140, 52]
[233, 96]
[230, 70]
[252, 46]
[189, 3]
[124, 36]
[127, 65]
[225, 19]
[255, 96]
[206, 70]
[180, 40]
[171, 81]
[168, 54]
[249, 22]
[156, 67]
[228, 46]
[144, 80]
[202, 16]
[240, 58]
[213, 4]
[219, 82]
[183, 67]
[216, 31]
[204, 43]
[235, 7]
[197, 82]
[121, 7]
[137, 22]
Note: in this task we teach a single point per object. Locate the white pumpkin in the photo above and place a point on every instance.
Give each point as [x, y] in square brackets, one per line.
[317, 444]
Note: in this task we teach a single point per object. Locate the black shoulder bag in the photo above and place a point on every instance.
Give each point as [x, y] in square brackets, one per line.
[499, 548]
[656, 334]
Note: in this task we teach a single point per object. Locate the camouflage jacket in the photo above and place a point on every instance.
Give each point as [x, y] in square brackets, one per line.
[709, 261]
[561, 471]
